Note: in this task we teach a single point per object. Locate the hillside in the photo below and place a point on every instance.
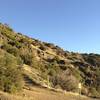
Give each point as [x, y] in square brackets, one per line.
[26, 62]
[42, 94]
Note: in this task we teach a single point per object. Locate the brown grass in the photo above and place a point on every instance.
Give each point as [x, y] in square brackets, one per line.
[41, 94]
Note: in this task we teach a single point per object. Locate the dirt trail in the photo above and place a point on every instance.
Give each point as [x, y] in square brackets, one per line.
[41, 94]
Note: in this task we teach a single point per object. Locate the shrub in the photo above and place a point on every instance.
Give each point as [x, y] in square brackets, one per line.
[42, 47]
[52, 72]
[10, 49]
[8, 27]
[15, 43]
[69, 83]
[26, 56]
[10, 73]
[65, 81]
[94, 92]
[97, 82]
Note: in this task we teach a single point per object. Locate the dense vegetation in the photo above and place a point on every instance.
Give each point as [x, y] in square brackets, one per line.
[10, 73]
[46, 64]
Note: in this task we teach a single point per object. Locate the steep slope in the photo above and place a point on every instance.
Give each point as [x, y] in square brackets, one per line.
[47, 65]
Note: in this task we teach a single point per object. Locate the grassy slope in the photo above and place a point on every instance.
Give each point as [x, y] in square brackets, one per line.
[86, 64]
[41, 94]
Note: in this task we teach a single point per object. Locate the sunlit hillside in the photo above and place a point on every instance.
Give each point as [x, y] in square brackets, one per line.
[26, 63]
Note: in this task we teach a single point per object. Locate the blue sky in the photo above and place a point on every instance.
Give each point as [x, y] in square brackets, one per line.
[72, 24]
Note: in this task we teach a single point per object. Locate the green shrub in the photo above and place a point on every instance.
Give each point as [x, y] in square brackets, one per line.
[27, 58]
[10, 49]
[52, 72]
[94, 92]
[76, 73]
[10, 73]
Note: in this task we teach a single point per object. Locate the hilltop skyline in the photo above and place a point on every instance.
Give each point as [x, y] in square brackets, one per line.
[70, 24]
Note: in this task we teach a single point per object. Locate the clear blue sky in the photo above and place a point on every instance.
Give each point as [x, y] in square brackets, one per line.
[72, 24]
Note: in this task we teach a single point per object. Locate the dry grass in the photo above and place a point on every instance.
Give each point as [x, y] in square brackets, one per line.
[41, 94]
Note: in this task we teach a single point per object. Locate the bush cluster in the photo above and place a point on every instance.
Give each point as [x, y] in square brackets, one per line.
[10, 73]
